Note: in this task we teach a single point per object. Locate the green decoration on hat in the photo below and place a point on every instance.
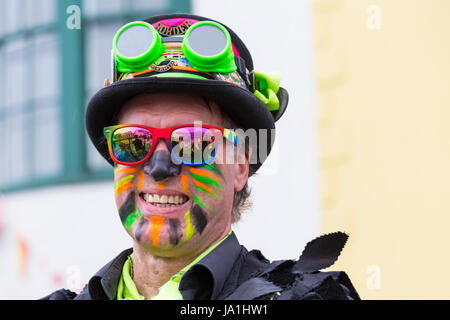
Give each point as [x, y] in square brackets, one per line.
[266, 86]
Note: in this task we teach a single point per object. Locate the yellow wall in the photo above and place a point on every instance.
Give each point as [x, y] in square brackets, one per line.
[384, 121]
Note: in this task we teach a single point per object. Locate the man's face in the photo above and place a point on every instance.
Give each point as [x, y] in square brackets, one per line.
[174, 210]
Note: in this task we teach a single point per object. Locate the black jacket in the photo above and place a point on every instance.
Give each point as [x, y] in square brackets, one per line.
[230, 272]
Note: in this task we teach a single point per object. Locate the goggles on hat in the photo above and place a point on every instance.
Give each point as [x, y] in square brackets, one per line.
[204, 51]
[206, 45]
[190, 144]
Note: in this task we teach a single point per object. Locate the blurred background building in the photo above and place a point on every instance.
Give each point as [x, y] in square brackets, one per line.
[362, 148]
[58, 220]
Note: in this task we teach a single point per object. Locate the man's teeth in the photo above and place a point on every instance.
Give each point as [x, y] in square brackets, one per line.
[165, 200]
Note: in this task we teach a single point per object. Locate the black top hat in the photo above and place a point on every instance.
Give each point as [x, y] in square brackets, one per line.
[238, 102]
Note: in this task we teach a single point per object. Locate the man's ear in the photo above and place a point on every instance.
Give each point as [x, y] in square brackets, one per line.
[241, 169]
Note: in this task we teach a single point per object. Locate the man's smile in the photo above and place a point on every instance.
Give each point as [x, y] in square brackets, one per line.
[165, 202]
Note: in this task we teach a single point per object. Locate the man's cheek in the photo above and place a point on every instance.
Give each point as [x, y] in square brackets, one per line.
[193, 221]
[128, 182]
[127, 207]
[207, 182]
[129, 213]
[127, 179]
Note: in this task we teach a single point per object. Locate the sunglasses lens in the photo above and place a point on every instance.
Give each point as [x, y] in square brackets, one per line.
[194, 145]
[131, 144]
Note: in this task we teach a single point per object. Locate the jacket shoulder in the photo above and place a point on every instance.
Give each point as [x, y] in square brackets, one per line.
[301, 279]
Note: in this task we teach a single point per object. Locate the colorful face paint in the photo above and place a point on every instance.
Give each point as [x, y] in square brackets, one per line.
[162, 166]
[173, 231]
[141, 180]
[189, 227]
[204, 173]
[136, 214]
[124, 184]
[213, 168]
[207, 180]
[198, 201]
[127, 208]
[199, 218]
[184, 183]
[203, 187]
[156, 223]
[126, 170]
[141, 229]
[160, 185]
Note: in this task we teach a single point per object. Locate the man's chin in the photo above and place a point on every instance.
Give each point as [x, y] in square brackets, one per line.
[164, 249]
[157, 234]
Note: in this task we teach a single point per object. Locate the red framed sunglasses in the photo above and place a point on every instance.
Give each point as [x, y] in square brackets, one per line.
[132, 144]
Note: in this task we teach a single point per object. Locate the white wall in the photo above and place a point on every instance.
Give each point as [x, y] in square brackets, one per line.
[71, 231]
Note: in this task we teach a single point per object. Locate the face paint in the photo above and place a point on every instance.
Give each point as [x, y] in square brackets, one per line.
[160, 185]
[136, 214]
[173, 232]
[127, 208]
[206, 180]
[201, 172]
[198, 201]
[213, 168]
[124, 184]
[203, 187]
[203, 179]
[141, 228]
[126, 170]
[156, 223]
[199, 218]
[184, 183]
[162, 166]
[141, 180]
[189, 227]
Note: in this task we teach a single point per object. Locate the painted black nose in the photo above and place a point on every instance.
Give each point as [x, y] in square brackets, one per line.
[160, 166]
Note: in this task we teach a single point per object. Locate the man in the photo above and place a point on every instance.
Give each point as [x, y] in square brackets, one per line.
[182, 87]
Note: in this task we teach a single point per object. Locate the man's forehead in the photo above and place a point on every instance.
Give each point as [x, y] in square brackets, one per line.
[169, 104]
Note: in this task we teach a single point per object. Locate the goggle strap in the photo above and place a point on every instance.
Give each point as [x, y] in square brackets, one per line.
[182, 69]
[242, 69]
[171, 39]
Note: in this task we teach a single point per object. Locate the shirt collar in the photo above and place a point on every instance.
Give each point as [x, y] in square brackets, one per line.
[206, 278]
[169, 291]
[103, 285]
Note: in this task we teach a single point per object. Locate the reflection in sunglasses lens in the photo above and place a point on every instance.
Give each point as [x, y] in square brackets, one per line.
[189, 145]
[131, 144]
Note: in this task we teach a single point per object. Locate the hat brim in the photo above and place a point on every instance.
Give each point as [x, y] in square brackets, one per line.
[238, 103]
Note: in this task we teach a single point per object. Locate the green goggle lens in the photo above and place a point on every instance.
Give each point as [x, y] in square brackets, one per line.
[136, 45]
[207, 46]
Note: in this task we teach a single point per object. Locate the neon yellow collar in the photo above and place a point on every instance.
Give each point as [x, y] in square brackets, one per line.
[126, 289]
